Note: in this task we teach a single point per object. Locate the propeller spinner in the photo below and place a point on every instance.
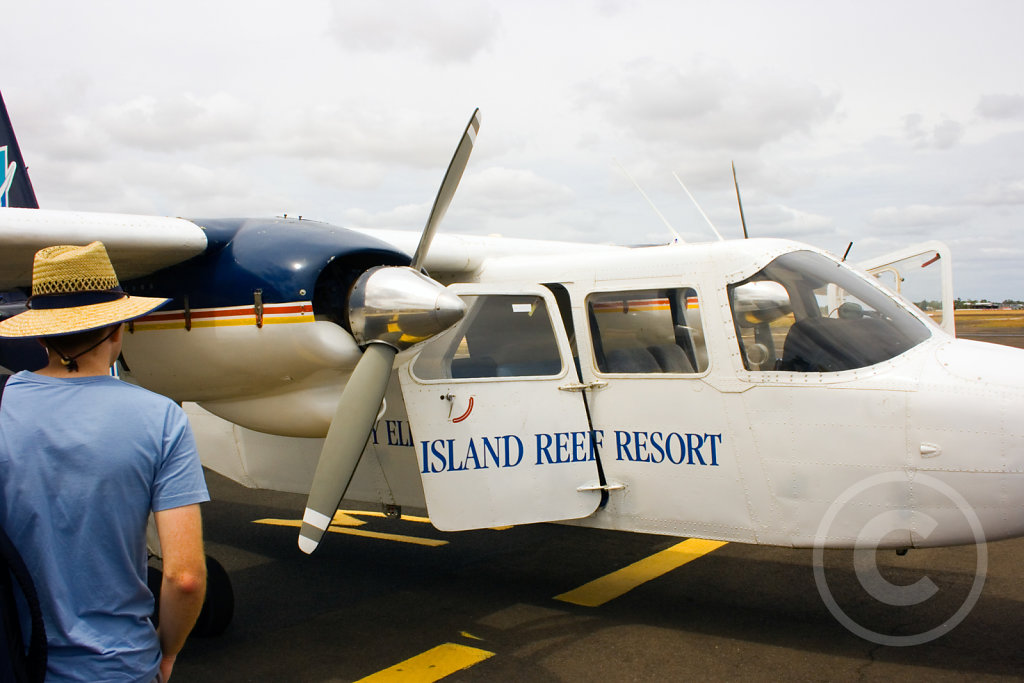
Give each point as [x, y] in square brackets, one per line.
[390, 309]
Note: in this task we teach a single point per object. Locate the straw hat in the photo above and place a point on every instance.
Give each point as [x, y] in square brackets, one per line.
[75, 289]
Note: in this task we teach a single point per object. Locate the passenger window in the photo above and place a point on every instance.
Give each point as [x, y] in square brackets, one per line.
[501, 335]
[651, 331]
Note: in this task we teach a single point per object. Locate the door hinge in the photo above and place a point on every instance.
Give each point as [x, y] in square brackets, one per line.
[597, 486]
[257, 306]
[576, 386]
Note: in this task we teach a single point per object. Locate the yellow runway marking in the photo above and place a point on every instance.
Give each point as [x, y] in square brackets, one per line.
[367, 513]
[432, 665]
[342, 519]
[611, 586]
[336, 529]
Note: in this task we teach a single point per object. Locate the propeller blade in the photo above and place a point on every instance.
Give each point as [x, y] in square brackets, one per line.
[346, 439]
[447, 191]
[391, 307]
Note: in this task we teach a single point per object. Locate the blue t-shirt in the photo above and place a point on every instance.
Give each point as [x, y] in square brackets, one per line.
[83, 460]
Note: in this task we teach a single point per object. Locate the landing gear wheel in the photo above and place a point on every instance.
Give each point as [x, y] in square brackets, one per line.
[218, 608]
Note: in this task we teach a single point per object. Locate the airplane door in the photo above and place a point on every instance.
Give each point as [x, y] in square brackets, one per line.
[499, 438]
[923, 273]
[669, 452]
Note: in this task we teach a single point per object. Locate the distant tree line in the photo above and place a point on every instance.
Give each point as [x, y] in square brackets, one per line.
[970, 303]
[932, 305]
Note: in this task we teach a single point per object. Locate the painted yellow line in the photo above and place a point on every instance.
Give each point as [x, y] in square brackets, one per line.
[611, 586]
[432, 665]
[416, 540]
[405, 518]
[342, 519]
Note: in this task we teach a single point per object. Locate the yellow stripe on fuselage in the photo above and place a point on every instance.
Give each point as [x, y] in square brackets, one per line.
[224, 322]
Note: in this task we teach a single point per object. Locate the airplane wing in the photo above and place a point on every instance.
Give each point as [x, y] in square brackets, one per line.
[141, 245]
[137, 245]
[456, 258]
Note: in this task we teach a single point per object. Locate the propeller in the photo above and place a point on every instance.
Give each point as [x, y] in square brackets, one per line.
[390, 309]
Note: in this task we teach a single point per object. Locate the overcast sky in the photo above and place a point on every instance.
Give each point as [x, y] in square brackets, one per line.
[882, 123]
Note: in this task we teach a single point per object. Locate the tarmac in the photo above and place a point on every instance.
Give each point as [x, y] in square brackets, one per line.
[402, 601]
[484, 604]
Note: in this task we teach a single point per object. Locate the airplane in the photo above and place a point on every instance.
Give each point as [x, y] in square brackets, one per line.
[732, 390]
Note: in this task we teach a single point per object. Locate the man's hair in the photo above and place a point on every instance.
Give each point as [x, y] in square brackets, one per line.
[71, 344]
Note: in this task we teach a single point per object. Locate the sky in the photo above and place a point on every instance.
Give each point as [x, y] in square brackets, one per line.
[879, 123]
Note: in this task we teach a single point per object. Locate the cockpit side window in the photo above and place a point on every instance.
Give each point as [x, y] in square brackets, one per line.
[647, 331]
[501, 335]
[806, 313]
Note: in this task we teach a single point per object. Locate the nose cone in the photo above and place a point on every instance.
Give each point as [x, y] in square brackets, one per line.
[448, 309]
[400, 307]
[965, 427]
[966, 414]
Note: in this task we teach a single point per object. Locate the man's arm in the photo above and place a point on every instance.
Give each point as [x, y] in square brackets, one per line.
[184, 581]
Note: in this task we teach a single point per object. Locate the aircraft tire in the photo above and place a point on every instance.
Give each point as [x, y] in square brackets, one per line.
[218, 607]
[154, 579]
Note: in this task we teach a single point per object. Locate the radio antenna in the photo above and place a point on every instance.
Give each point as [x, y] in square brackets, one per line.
[655, 208]
[713, 228]
[739, 201]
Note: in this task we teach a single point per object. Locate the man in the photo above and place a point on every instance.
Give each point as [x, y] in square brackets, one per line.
[84, 459]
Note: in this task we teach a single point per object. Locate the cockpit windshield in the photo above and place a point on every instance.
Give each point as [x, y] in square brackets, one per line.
[805, 313]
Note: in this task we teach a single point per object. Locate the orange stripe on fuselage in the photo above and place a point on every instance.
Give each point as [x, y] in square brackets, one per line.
[273, 314]
[631, 305]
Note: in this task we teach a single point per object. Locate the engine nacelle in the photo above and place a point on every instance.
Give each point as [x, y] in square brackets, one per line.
[256, 322]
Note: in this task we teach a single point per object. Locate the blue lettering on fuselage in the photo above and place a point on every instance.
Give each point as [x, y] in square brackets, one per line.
[481, 453]
[562, 448]
[397, 433]
[675, 448]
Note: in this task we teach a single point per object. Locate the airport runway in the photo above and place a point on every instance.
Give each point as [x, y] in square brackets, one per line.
[486, 601]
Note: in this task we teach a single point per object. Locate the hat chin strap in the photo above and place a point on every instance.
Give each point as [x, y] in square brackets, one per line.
[71, 362]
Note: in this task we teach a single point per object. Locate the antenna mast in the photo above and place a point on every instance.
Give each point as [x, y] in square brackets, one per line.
[644, 195]
[739, 201]
[713, 228]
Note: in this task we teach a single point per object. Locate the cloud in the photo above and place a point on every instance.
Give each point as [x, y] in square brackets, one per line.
[158, 187]
[943, 135]
[1004, 193]
[341, 133]
[405, 217]
[453, 31]
[1001, 106]
[706, 107]
[916, 216]
[512, 193]
[177, 122]
[782, 221]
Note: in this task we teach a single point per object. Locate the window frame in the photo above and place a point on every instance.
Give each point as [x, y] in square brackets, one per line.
[448, 342]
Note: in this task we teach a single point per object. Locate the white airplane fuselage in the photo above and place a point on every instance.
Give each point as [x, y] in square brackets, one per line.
[654, 390]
